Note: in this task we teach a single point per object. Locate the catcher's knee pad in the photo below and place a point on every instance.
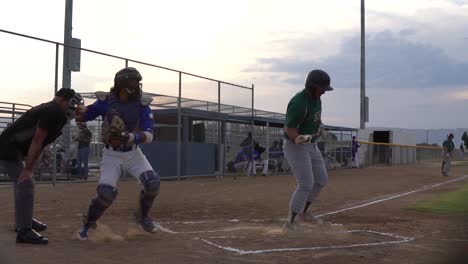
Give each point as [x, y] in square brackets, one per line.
[106, 194]
[150, 182]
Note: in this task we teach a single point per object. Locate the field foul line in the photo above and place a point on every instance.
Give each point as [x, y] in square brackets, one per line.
[402, 239]
[393, 197]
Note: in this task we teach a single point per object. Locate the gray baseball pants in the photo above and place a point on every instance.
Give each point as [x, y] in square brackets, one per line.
[308, 167]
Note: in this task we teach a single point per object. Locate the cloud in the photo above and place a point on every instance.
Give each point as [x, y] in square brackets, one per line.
[391, 62]
[424, 48]
[461, 95]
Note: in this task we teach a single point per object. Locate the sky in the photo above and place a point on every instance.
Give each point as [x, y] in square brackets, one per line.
[416, 53]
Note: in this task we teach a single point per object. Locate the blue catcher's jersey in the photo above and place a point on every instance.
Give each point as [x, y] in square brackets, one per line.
[136, 114]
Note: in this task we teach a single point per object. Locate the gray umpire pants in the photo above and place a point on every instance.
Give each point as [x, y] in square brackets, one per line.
[308, 167]
[23, 194]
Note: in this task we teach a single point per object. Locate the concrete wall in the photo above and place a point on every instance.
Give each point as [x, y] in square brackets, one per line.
[403, 155]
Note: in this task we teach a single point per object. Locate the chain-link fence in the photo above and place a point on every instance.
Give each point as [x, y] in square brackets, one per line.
[192, 111]
[372, 153]
[202, 125]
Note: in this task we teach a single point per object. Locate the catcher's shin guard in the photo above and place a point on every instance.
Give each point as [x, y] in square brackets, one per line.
[106, 194]
[150, 182]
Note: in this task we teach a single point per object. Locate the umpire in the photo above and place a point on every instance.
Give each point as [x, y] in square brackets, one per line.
[22, 144]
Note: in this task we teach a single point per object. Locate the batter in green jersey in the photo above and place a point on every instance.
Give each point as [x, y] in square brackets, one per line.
[302, 128]
[304, 114]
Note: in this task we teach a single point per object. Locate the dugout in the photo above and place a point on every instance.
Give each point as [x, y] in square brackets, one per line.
[208, 138]
[209, 134]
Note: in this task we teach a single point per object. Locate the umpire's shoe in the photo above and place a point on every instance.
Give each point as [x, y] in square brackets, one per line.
[37, 226]
[30, 236]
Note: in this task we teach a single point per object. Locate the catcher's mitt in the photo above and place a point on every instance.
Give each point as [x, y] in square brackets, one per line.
[115, 132]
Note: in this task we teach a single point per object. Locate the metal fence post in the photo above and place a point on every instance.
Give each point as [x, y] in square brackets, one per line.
[341, 149]
[54, 167]
[401, 155]
[268, 145]
[220, 132]
[252, 147]
[13, 113]
[179, 128]
[407, 153]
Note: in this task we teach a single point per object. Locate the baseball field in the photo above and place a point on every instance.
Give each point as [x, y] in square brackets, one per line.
[370, 215]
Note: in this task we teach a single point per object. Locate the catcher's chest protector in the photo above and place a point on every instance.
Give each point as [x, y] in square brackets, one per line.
[128, 112]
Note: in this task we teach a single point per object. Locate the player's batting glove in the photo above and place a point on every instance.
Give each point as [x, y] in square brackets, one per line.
[303, 139]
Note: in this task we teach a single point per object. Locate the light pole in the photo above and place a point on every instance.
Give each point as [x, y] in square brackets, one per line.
[364, 102]
[66, 75]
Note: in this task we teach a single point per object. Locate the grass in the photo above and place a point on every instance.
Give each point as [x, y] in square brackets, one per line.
[451, 202]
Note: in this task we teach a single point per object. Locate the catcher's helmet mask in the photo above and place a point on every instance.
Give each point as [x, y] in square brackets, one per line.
[129, 79]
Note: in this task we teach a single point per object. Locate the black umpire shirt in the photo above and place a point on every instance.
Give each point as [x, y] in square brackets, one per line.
[17, 138]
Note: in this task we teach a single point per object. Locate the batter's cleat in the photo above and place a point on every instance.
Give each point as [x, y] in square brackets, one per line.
[309, 218]
[292, 227]
[29, 236]
[148, 225]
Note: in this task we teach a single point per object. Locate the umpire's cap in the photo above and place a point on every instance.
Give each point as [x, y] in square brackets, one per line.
[66, 93]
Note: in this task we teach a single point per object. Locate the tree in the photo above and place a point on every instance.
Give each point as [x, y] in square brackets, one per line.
[465, 139]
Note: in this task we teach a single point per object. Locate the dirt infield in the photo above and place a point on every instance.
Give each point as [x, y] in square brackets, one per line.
[239, 221]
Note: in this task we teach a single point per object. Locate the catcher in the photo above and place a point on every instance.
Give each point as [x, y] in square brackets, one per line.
[127, 123]
[303, 127]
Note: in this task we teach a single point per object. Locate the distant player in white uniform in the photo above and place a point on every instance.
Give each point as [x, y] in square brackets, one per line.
[127, 123]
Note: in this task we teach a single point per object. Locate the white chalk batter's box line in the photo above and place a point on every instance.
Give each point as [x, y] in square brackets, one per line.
[400, 239]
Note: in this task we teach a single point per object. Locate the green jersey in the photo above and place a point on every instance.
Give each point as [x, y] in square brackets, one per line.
[449, 145]
[304, 113]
